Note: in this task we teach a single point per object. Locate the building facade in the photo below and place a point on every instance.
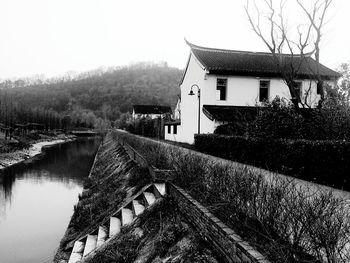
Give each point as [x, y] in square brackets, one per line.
[227, 79]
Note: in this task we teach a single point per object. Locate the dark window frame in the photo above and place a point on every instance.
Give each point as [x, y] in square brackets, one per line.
[222, 87]
[169, 129]
[175, 129]
[318, 89]
[267, 87]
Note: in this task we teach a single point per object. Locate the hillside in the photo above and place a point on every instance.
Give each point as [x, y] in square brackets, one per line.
[102, 93]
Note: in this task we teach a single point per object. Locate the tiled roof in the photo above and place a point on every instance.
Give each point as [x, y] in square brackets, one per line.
[151, 109]
[230, 113]
[176, 122]
[258, 64]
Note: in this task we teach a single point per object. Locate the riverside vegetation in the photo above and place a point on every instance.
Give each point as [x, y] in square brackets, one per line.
[283, 221]
[159, 234]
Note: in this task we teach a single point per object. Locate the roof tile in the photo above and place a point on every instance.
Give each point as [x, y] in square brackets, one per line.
[151, 109]
[258, 64]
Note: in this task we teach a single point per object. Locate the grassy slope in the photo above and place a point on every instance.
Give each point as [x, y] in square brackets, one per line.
[111, 181]
[114, 178]
[159, 235]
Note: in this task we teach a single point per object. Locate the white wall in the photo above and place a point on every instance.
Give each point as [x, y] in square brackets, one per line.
[189, 104]
[171, 136]
[244, 91]
[177, 110]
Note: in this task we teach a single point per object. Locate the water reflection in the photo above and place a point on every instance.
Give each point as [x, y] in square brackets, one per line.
[36, 201]
[63, 163]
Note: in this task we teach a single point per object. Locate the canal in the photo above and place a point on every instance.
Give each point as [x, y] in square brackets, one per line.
[37, 200]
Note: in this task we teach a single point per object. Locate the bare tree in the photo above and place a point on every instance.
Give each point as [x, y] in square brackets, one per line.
[291, 50]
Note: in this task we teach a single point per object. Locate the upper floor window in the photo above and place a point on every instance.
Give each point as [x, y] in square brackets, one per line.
[318, 89]
[264, 90]
[221, 87]
[298, 89]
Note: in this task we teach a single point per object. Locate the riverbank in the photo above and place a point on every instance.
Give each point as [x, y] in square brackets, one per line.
[42, 190]
[18, 155]
[159, 234]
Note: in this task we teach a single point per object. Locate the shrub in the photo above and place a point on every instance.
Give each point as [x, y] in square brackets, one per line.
[235, 128]
[146, 127]
[279, 119]
[289, 223]
[324, 162]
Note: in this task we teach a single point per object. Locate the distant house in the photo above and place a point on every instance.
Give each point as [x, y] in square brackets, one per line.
[225, 81]
[150, 111]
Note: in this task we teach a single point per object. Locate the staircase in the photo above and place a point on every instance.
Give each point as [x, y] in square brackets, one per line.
[111, 227]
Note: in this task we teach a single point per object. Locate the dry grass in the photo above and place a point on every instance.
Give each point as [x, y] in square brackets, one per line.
[285, 222]
[159, 235]
[112, 178]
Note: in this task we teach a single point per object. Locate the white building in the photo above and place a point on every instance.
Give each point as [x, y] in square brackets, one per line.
[228, 80]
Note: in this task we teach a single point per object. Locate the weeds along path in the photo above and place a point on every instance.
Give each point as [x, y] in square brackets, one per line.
[285, 218]
[312, 188]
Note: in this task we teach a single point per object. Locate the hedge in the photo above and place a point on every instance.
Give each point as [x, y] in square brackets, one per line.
[324, 162]
[277, 216]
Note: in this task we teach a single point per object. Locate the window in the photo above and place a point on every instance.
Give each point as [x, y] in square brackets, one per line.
[264, 90]
[175, 129]
[298, 89]
[169, 129]
[318, 87]
[221, 86]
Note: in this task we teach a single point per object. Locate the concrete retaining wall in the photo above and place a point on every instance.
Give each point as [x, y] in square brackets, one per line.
[227, 243]
[224, 239]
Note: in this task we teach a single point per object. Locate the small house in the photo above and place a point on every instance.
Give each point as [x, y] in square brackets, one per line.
[225, 81]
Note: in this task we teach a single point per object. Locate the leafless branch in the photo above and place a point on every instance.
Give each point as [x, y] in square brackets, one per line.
[306, 43]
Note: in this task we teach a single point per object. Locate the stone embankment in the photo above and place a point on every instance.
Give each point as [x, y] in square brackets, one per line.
[126, 214]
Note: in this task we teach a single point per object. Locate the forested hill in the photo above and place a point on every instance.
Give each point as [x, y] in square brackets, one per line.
[105, 93]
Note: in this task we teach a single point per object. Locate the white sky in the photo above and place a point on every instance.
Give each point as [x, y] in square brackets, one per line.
[55, 36]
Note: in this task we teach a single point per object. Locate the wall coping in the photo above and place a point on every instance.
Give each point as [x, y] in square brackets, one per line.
[231, 237]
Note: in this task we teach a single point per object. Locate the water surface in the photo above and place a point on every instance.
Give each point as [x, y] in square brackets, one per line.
[37, 200]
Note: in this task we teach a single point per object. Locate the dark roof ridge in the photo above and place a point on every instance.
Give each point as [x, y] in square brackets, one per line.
[154, 105]
[151, 109]
[193, 46]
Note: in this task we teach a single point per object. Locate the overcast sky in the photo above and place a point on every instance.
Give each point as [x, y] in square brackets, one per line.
[55, 36]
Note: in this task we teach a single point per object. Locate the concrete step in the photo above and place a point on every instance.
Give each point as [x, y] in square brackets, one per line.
[90, 244]
[149, 197]
[127, 216]
[114, 226]
[77, 252]
[101, 236]
[160, 188]
[138, 208]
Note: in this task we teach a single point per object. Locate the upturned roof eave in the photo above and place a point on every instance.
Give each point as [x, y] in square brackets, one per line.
[225, 71]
